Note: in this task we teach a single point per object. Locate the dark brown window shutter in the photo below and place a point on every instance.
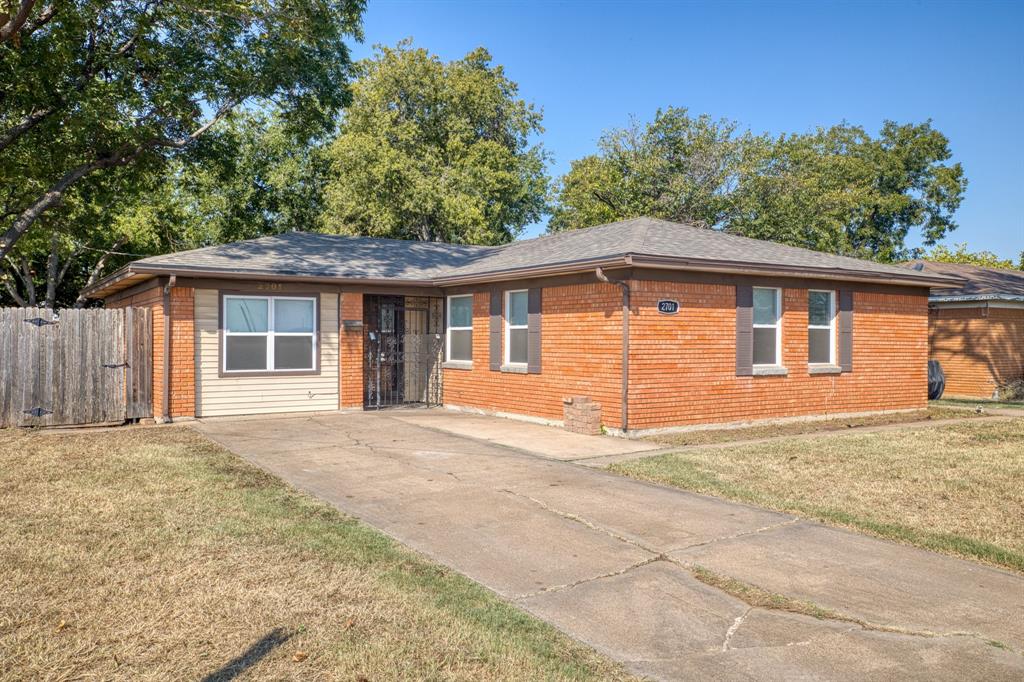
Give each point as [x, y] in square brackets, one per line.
[533, 331]
[744, 331]
[495, 330]
[846, 330]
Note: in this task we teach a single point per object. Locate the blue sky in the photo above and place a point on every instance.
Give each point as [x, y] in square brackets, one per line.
[779, 67]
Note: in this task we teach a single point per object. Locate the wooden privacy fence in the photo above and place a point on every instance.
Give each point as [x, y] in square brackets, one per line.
[63, 367]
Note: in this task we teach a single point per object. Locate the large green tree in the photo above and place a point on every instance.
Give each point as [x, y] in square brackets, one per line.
[88, 87]
[256, 178]
[959, 254]
[435, 151]
[845, 191]
[839, 189]
[678, 167]
[253, 178]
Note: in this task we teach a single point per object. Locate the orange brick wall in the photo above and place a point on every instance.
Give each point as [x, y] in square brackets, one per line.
[683, 366]
[581, 354]
[351, 352]
[979, 348]
[183, 353]
[183, 377]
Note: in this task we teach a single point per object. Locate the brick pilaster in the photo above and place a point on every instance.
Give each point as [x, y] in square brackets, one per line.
[351, 352]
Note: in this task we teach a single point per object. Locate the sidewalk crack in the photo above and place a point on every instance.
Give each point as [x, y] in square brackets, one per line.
[743, 533]
[734, 627]
[582, 521]
[560, 588]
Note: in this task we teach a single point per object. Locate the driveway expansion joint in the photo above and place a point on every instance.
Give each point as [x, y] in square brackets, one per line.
[568, 586]
[579, 519]
[743, 533]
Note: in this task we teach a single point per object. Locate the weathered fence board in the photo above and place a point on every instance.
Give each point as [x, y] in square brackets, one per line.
[74, 366]
[139, 352]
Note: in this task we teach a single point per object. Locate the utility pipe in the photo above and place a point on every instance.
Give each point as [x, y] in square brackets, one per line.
[625, 343]
[167, 348]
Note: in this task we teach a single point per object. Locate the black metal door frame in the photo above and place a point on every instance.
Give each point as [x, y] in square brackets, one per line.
[387, 361]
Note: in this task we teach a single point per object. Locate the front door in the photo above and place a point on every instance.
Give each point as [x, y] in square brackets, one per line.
[403, 343]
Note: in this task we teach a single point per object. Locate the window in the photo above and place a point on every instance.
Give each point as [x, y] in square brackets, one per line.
[460, 328]
[821, 327]
[516, 327]
[767, 330]
[269, 334]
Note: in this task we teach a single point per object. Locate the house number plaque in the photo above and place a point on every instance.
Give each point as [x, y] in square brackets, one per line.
[668, 307]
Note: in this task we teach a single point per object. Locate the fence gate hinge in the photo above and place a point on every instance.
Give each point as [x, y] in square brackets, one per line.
[115, 366]
[39, 322]
[38, 412]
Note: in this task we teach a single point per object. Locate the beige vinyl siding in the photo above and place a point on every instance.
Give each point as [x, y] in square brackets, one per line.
[217, 395]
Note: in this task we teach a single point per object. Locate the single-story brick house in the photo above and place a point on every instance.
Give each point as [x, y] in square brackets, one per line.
[976, 328]
[662, 324]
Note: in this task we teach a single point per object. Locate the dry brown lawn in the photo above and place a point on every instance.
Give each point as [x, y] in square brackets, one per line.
[150, 554]
[957, 488]
[799, 428]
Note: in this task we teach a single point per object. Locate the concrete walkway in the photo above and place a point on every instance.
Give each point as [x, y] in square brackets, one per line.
[537, 439]
[609, 560]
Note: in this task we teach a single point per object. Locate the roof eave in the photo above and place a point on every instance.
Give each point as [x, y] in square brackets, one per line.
[750, 268]
[100, 289]
[912, 278]
[967, 298]
[564, 268]
[106, 286]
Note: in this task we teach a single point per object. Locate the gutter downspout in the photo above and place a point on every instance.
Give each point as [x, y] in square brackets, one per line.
[599, 272]
[167, 349]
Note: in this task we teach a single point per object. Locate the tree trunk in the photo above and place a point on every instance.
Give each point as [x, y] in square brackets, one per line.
[52, 270]
[51, 197]
[97, 271]
[12, 291]
[27, 282]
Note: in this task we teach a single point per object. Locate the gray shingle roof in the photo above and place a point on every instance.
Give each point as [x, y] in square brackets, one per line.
[331, 256]
[978, 283]
[322, 255]
[661, 239]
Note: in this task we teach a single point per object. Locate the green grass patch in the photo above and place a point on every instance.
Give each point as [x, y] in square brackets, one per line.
[976, 402]
[955, 489]
[808, 427]
[153, 553]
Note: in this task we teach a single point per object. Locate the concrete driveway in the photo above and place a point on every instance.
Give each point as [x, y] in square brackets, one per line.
[609, 560]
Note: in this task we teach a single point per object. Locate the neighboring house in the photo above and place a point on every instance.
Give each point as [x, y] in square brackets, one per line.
[976, 329]
[719, 328]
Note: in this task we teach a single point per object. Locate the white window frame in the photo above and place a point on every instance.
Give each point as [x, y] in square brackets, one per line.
[509, 326]
[832, 295]
[270, 334]
[451, 328]
[777, 326]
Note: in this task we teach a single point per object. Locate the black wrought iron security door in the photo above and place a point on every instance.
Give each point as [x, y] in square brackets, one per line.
[402, 343]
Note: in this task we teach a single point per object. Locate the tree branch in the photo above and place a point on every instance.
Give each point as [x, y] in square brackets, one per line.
[9, 29]
[90, 68]
[43, 19]
[55, 194]
[606, 201]
[24, 125]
